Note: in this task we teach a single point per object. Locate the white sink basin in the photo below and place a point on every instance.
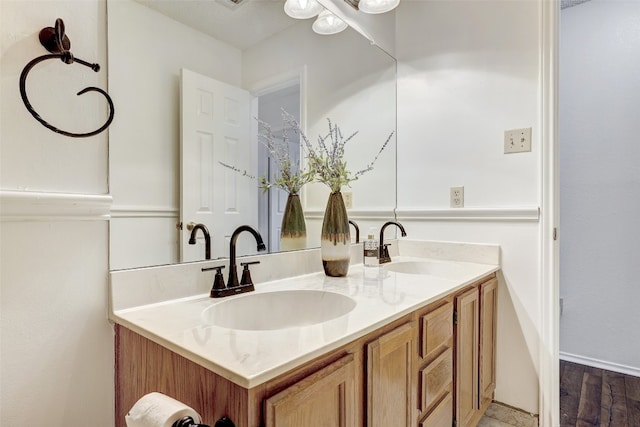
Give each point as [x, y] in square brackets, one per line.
[277, 310]
[445, 270]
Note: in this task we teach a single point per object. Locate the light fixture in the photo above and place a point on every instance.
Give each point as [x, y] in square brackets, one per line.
[328, 23]
[302, 9]
[377, 6]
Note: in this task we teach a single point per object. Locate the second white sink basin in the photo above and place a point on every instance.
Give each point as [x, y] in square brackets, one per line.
[278, 310]
[430, 268]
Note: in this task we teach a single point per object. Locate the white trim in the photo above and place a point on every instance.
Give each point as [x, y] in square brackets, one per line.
[144, 212]
[354, 214]
[471, 214]
[549, 312]
[602, 364]
[41, 206]
[549, 297]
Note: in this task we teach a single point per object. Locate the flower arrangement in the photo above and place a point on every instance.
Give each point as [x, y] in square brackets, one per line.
[326, 161]
[291, 177]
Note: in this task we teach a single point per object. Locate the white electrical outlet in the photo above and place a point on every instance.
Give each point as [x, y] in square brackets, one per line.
[347, 196]
[517, 140]
[457, 197]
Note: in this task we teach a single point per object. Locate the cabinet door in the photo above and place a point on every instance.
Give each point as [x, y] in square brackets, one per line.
[389, 372]
[326, 398]
[466, 362]
[488, 320]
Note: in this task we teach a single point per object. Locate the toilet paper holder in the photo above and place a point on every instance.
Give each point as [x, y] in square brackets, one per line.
[190, 422]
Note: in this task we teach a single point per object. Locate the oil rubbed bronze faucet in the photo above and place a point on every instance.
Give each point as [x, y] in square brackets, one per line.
[233, 287]
[383, 252]
[207, 238]
[233, 269]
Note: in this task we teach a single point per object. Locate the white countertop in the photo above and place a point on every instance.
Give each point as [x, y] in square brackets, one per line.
[250, 358]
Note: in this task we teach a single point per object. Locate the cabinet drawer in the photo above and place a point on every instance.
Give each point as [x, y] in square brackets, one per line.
[441, 416]
[436, 330]
[436, 379]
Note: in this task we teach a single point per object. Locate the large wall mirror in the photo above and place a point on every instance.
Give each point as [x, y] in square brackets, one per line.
[159, 48]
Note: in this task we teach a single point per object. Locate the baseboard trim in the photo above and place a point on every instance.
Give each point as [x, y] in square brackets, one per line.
[602, 364]
[509, 214]
[20, 206]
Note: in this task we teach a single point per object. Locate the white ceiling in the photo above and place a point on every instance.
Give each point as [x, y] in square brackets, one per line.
[241, 26]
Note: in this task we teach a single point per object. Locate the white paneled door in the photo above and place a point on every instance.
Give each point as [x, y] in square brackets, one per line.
[215, 127]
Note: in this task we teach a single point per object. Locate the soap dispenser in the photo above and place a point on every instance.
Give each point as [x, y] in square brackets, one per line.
[371, 248]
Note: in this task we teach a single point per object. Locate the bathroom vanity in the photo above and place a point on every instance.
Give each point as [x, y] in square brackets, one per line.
[417, 348]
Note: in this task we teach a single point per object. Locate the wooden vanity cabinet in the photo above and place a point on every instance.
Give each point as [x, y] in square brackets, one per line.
[420, 370]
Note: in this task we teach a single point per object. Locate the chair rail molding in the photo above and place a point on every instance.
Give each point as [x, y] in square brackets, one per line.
[360, 214]
[135, 211]
[507, 214]
[42, 206]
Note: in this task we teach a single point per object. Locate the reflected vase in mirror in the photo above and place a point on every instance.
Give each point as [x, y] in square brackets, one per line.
[293, 231]
[336, 237]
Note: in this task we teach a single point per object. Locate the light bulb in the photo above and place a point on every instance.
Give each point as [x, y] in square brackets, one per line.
[302, 9]
[328, 23]
[377, 6]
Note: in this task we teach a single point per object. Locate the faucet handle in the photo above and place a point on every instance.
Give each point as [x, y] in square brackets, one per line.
[218, 281]
[384, 253]
[246, 274]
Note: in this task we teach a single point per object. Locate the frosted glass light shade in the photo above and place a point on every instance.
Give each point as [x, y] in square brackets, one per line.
[377, 6]
[328, 23]
[302, 9]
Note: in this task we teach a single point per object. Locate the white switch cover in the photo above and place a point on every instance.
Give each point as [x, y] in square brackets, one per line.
[457, 197]
[517, 140]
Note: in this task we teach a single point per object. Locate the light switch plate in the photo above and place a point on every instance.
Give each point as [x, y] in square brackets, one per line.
[517, 140]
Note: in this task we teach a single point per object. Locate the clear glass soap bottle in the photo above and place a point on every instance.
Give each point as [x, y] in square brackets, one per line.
[371, 249]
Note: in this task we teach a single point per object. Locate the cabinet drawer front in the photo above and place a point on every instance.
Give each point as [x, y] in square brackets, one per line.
[436, 330]
[436, 379]
[441, 416]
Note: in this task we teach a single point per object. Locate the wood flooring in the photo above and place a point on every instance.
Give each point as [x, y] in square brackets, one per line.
[595, 397]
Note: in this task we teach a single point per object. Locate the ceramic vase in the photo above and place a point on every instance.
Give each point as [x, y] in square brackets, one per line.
[336, 237]
[293, 231]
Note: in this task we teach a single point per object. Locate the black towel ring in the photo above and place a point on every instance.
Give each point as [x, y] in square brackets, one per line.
[55, 41]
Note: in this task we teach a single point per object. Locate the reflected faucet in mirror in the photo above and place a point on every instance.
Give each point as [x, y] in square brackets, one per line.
[357, 230]
[207, 237]
[383, 251]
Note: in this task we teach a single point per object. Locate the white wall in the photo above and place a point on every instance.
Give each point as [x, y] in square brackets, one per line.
[56, 358]
[467, 71]
[600, 184]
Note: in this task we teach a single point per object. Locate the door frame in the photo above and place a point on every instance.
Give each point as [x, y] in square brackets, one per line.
[549, 374]
[271, 84]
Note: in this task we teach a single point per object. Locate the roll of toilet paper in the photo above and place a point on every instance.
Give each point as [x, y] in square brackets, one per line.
[158, 410]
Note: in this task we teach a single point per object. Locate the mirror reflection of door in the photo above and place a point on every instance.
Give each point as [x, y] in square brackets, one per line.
[272, 203]
[215, 126]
